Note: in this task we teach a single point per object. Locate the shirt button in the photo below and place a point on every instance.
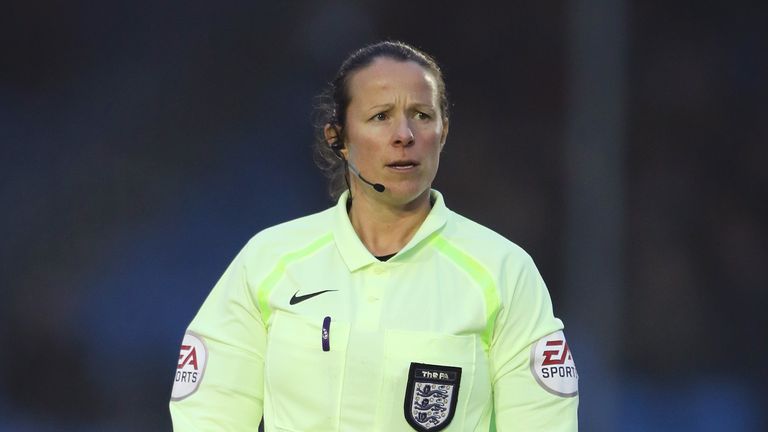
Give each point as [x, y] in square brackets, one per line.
[372, 299]
[379, 270]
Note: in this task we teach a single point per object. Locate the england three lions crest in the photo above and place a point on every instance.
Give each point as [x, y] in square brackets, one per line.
[431, 396]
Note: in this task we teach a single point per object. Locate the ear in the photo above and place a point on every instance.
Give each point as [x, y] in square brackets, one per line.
[333, 136]
[331, 133]
[444, 134]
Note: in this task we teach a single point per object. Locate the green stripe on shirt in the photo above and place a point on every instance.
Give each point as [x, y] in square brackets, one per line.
[265, 288]
[482, 278]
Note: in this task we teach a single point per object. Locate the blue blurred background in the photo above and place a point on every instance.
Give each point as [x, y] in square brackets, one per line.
[623, 144]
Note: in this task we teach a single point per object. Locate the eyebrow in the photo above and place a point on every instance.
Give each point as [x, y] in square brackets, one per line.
[420, 105]
[388, 106]
[381, 106]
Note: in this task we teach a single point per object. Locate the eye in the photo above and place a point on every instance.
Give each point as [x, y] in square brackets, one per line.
[380, 116]
[422, 116]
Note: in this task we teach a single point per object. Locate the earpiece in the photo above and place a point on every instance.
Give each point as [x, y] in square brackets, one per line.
[336, 147]
[338, 144]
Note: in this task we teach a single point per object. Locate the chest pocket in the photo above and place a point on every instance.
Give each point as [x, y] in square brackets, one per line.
[303, 381]
[432, 352]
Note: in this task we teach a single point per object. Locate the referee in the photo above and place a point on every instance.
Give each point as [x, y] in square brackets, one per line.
[388, 311]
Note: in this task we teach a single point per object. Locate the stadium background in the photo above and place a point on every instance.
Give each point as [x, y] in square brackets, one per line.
[623, 144]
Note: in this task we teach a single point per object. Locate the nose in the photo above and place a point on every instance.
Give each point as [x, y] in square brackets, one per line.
[403, 133]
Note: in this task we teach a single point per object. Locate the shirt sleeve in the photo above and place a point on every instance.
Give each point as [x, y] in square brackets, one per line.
[522, 400]
[229, 393]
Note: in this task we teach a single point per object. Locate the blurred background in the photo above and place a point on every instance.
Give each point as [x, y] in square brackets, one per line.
[623, 144]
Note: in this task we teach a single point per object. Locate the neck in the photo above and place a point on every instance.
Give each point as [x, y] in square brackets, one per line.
[385, 228]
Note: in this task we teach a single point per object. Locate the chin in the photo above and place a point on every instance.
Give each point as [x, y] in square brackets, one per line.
[407, 194]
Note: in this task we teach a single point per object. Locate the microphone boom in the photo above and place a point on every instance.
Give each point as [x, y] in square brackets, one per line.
[378, 187]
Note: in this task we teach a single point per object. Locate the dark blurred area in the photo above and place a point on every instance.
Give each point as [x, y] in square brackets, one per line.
[143, 143]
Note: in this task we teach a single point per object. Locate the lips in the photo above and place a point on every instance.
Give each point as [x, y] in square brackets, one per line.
[404, 164]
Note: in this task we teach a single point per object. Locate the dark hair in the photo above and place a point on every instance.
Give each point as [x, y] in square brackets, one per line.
[333, 102]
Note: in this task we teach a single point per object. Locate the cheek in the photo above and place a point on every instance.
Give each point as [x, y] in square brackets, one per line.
[363, 136]
[364, 148]
[431, 156]
[434, 133]
[356, 140]
[434, 137]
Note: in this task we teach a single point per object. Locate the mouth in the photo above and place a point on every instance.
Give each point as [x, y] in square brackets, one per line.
[403, 165]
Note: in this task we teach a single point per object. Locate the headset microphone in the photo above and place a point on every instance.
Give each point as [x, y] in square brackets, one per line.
[378, 187]
[336, 147]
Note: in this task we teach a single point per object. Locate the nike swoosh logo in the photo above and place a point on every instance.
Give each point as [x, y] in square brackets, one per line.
[298, 299]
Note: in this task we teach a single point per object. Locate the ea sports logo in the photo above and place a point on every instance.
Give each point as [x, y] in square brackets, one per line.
[188, 356]
[553, 367]
[191, 365]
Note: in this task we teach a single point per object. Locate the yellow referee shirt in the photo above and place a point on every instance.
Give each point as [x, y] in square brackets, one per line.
[311, 332]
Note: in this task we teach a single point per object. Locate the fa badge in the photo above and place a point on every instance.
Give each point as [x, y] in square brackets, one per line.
[431, 396]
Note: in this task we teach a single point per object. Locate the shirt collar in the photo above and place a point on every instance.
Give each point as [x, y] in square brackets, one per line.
[355, 254]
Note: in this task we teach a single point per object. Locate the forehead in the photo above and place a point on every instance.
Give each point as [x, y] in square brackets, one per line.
[386, 77]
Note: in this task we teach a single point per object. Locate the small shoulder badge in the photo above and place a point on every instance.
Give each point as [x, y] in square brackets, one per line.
[431, 396]
[191, 366]
[553, 367]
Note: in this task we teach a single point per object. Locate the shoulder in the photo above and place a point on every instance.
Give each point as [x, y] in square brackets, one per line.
[485, 245]
[276, 241]
[516, 281]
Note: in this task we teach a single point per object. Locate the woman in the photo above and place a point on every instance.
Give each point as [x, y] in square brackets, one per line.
[387, 312]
